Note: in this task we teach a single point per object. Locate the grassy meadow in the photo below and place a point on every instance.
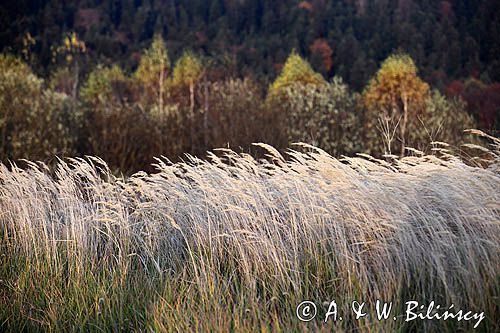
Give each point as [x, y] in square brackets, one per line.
[346, 198]
[231, 243]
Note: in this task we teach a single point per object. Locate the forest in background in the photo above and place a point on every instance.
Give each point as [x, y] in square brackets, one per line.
[449, 40]
[129, 80]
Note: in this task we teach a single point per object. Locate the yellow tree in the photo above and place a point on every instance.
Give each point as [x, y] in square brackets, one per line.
[27, 50]
[295, 70]
[188, 71]
[153, 68]
[396, 93]
[296, 74]
[71, 51]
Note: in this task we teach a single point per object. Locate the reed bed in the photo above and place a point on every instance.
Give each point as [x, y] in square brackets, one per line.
[231, 243]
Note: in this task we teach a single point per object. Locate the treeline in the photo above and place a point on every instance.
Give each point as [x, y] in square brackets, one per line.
[170, 108]
[450, 40]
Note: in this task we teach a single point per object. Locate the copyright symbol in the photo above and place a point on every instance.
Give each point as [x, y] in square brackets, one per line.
[306, 311]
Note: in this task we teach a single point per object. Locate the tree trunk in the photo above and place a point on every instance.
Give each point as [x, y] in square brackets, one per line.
[191, 112]
[205, 115]
[75, 87]
[160, 92]
[403, 125]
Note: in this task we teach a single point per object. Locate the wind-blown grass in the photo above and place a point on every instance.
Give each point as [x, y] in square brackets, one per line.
[236, 244]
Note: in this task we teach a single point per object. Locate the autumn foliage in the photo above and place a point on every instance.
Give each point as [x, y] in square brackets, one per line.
[127, 118]
[396, 94]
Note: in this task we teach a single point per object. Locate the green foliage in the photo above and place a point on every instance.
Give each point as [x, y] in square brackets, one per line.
[152, 73]
[62, 80]
[325, 116]
[9, 62]
[101, 86]
[33, 121]
[444, 120]
[155, 63]
[188, 70]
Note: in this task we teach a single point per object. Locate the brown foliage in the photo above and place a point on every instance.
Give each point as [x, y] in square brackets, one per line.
[306, 5]
[320, 47]
[87, 17]
[482, 100]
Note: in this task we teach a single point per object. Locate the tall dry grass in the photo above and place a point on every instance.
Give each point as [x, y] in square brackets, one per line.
[231, 243]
